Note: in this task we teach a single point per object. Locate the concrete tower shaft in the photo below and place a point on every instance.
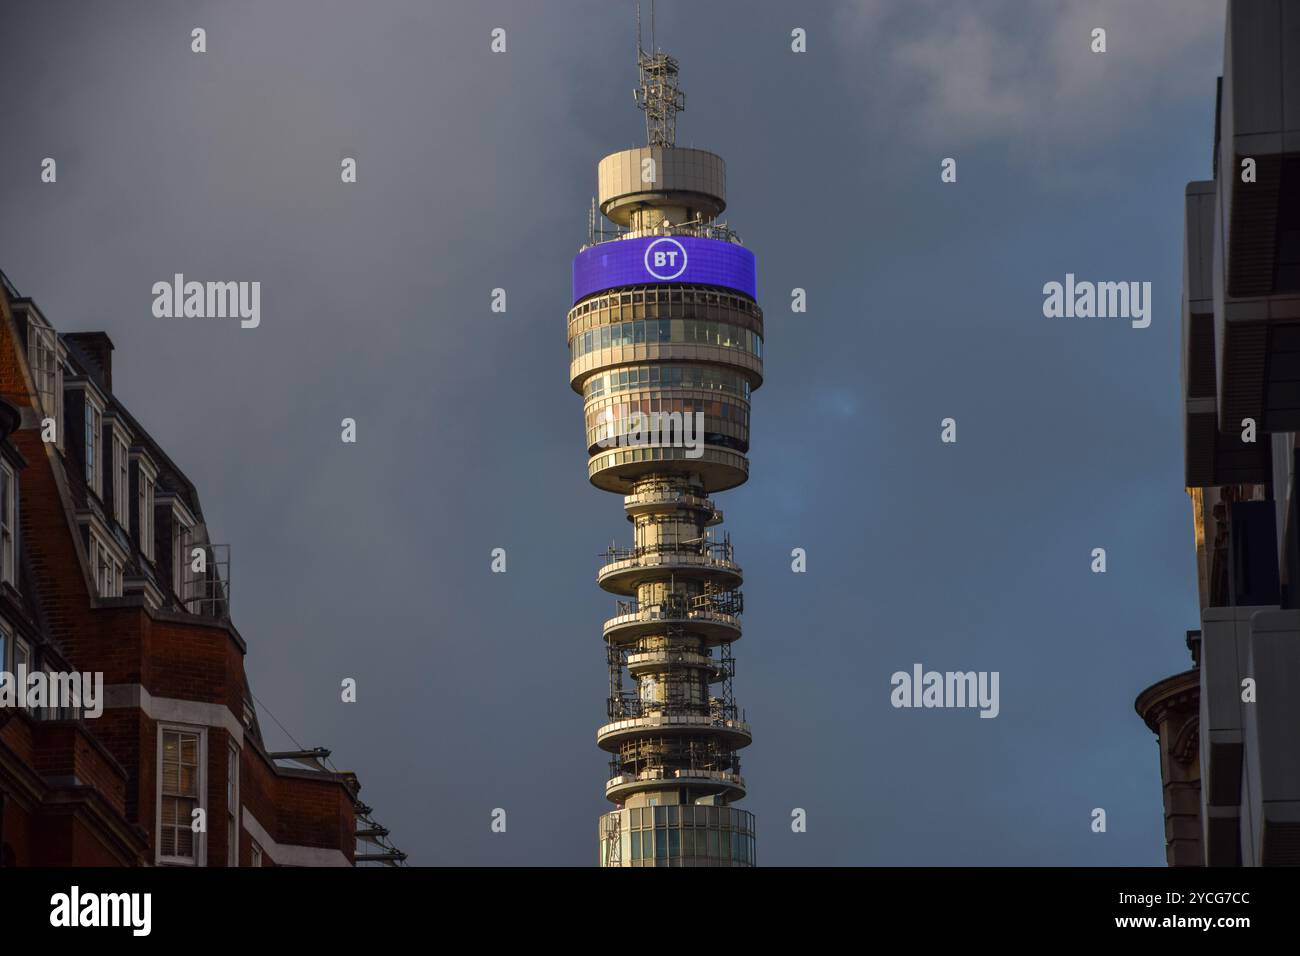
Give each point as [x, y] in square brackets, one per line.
[666, 346]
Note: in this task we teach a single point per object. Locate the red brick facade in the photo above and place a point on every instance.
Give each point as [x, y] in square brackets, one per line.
[77, 790]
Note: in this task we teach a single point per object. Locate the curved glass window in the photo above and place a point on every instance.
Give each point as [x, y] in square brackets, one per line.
[611, 412]
[667, 331]
[668, 421]
[667, 376]
[705, 836]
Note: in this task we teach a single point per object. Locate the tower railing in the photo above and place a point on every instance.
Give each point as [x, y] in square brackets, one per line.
[208, 594]
[669, 768]
[717, 550]
[715, 602]
[717, 709]
[720, 231]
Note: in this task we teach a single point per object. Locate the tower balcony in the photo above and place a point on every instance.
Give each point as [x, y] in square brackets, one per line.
[723, 783]
[668, 500]
[707, 621]
[619, 469]
[733, 733]
[627, 568]
[641, 663]
[652, 662]
[703, 230]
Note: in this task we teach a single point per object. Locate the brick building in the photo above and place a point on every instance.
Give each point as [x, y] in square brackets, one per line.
[106, 566]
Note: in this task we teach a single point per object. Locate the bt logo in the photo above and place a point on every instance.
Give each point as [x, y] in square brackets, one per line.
[665, 259]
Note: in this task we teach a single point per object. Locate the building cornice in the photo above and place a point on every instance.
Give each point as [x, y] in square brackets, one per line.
[1179, 692]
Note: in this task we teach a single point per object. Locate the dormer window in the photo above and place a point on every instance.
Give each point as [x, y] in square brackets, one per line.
[94, 443]
[45, 356]
[146, 479]
[106, 566]
[8, 525]
[182, 542]
[120, 475]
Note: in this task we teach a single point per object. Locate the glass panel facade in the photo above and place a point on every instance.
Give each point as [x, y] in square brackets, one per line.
[677, 836]
[699, 377]
[660, 304]
[679, 331]
[659, 418]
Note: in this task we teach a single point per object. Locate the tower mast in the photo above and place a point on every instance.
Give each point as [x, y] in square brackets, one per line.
[658, 93]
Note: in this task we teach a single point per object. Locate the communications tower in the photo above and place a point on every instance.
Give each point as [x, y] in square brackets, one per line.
[666, 344]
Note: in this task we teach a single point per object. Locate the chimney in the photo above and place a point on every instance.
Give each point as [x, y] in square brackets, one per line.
[96, 351]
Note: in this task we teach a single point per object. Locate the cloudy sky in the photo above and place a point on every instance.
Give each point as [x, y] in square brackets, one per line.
[480, 690]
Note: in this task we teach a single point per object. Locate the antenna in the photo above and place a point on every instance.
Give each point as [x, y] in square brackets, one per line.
[658, 95]
[653, 48]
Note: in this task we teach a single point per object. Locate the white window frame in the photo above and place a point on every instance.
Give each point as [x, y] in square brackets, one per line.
[121, 477]
[43, 343]
[7, 637]
[232, 804]
[8, 524]
[93, 450]
[106, 565]
[23, 653]
[200, 857]
[255, 854]
[146, 489]
[182, 544]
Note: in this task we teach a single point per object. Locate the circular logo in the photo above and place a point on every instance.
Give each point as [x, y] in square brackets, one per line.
[665, 259]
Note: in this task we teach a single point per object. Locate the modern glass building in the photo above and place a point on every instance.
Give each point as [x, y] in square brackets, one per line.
[666, 347]
[1228, 727]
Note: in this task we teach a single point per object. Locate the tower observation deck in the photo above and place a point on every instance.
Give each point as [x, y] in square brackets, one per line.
[666, 344]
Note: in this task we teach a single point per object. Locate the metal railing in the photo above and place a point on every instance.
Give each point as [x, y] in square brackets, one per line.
[207, 594]
[681, 606]
[719, 231]
[717, 550]
[619, 777]
[717, 709]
